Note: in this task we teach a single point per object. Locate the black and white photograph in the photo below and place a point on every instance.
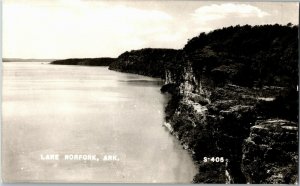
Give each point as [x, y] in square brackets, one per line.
[152, 91]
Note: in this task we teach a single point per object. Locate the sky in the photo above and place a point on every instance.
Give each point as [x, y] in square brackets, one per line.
[57, 29]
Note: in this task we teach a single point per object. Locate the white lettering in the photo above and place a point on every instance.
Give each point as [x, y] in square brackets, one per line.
[110, 158]
[49, 157]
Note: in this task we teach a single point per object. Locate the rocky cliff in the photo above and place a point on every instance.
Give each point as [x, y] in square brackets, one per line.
[228, 122]
[234, 102]
[236, 99]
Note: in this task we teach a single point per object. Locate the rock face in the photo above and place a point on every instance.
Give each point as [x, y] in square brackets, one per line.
[270, 153]
[213, 128]
[233, 97]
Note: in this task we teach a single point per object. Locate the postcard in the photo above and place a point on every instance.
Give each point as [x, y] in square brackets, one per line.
[98, 91]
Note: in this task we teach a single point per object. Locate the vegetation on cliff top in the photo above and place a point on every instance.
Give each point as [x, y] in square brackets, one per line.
[243, 55]
[247, 55]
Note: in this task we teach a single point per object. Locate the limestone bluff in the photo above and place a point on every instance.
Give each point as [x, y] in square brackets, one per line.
[234, 95]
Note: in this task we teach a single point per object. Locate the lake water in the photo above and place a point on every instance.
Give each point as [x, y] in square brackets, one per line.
[58, 109]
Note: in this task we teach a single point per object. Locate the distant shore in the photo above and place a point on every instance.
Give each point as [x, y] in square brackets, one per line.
[26, 60]
[104, 61]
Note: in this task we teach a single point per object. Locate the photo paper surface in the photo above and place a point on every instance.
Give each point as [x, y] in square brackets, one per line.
[97, 91]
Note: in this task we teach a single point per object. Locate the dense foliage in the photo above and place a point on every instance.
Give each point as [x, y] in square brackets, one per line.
[146, 61]
[247, 55]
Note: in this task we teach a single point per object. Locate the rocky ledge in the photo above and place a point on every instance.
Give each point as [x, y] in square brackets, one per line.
[270, 153]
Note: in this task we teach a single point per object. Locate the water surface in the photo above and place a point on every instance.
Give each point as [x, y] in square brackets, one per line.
[60, 109]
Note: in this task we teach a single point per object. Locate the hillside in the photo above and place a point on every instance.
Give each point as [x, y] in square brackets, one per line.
[148, 61]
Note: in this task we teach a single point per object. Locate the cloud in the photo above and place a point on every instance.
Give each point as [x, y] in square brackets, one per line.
[207, 16]
[222, 11]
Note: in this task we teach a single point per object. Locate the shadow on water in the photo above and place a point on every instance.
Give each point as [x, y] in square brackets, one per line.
[142, 82]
